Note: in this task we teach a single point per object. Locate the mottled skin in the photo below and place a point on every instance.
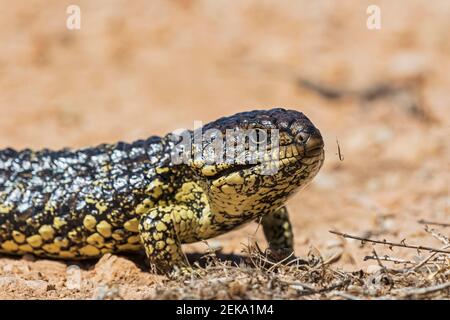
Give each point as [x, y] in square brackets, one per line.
[126, 197]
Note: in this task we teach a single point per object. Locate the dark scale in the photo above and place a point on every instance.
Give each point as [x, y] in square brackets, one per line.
[74, 204]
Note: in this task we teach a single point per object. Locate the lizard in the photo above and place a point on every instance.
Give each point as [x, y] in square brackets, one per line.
[128, 197]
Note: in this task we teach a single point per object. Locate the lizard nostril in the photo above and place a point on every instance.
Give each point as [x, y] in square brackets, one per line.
[302, 137]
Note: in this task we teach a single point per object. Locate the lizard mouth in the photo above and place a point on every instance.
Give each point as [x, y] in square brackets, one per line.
[225, 172]
[290, 155]
[313, 152]
[308, 153]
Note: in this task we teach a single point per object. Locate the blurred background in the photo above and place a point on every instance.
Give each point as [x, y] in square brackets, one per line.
[138, 68]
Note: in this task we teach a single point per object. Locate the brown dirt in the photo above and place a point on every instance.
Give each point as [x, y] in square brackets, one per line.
[148, 67]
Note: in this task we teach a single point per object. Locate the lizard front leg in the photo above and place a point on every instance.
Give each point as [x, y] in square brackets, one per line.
[278, 231]
[163, 230]
[158, 232]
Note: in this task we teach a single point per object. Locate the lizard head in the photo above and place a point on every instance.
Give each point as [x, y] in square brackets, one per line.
[251, 162]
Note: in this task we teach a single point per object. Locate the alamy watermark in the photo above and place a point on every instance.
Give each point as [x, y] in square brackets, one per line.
[373, 21]
[234, 146]
[73, 277]
[73, 21]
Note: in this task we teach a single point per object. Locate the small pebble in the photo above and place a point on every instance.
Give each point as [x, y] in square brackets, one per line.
[36, 284]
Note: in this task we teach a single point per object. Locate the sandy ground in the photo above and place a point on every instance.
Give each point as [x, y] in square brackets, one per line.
[148, 67]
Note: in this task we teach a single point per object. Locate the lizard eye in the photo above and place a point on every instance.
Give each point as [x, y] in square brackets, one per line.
[258, 136]
[302, 137]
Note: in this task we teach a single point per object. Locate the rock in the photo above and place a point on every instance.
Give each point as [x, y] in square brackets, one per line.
[5, 281]
[36, 284]
[111, 268]
[20, 284]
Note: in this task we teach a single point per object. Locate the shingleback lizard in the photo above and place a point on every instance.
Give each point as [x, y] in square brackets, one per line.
[74, 204]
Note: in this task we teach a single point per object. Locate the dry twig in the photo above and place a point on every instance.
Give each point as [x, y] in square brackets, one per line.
[441, 224]
[389, 243]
